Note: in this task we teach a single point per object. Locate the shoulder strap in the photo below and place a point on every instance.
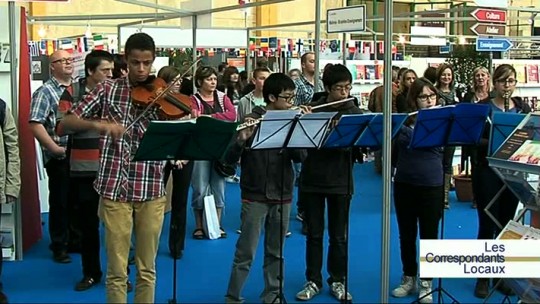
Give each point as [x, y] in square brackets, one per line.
[204, 103]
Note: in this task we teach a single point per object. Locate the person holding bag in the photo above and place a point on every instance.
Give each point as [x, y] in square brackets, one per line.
[205, 179]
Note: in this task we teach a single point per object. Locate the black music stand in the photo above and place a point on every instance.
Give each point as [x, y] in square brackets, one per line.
[202, 139]
[462, 124]
[358, 131]
[283, 130]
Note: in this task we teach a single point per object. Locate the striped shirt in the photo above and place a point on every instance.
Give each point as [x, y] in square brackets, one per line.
[44, 109]
[120, 178]
[83, 146]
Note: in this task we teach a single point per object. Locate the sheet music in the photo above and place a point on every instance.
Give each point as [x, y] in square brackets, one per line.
[273, 129]
[310, 130]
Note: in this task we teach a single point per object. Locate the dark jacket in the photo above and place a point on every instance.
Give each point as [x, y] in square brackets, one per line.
[326, 170]
[266, 175]
[480, 152]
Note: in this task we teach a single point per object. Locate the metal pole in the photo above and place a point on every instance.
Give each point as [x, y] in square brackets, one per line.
[316, 49]
[194, 49]
[387, 140]
[248, 64]
[14, 106]
[344, 48]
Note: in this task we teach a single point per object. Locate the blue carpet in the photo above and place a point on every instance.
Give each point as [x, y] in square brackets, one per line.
[204, 270]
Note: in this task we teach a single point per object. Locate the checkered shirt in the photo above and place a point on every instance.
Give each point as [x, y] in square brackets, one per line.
[119, 177]
[305, 90]
[44, 109]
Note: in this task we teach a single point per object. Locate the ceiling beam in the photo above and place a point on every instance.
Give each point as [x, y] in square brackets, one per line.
[156, 6]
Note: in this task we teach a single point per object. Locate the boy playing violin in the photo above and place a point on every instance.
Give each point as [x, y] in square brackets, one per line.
[132, 193]
[266, 189]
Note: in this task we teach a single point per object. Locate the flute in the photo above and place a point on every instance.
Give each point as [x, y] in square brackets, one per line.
[416, 112]
[254, 122]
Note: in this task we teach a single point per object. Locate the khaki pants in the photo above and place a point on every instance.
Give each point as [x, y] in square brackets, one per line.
[119, 218]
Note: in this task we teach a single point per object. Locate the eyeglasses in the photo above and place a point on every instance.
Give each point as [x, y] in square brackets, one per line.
[342, 88]
[510, 81]
[289, 99]
[426, 97]
[64, 60]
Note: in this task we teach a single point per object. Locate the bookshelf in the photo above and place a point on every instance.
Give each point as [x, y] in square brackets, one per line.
[515, 161]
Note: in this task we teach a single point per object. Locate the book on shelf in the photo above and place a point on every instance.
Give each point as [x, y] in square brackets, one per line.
[521, 77]
[532, 73]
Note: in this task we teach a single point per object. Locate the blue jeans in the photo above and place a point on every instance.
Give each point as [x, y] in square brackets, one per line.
[205, 181]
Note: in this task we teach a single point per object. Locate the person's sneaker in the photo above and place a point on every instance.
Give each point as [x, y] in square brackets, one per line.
[300, 216]
[481, 289]
[233, 179]
[86, 283]
[129, 286]
[310, 290]
[424, 292]
[61, 257]
[337, 289]
[407, 287]
[239, 231]
[288, 234]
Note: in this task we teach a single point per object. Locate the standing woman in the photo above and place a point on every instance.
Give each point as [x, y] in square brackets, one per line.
[205, 180]
[418, 192]
[447, 93]
[232, 86]
[481, 86]
[407, 78]
[181, 178]
[485, 181]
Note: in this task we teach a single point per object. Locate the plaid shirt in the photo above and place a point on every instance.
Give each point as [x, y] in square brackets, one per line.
[119, 177]
[44, 109]
[305, 90]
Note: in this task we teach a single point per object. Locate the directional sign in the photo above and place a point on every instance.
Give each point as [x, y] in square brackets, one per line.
[483, 29]
[493, 44]
[346, 19]
[489, 15]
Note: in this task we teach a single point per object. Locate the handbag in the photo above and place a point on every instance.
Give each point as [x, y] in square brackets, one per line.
[210, 218]
[223, 169]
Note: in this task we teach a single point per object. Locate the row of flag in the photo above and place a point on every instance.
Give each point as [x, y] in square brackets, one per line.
[79, 45]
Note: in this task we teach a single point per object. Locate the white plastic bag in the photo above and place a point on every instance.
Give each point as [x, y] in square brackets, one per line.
[210, 218]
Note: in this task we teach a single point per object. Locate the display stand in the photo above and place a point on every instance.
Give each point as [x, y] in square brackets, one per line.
[458, 125]
[283, 130]
[203, 138]
[515, 162]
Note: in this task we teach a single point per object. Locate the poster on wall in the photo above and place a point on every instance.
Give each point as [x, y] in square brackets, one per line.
[40, 67]
[238, 63]
[4, 57]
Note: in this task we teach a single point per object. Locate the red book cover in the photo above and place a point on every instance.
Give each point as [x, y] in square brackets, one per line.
[532, 73]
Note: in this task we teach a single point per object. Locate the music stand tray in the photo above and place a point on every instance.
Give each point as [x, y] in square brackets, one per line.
[204, 138]
[372, 136]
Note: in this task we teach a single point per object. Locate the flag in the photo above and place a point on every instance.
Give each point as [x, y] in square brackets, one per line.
[352, 46]
[335, 46]
[50, 47]
[299, 46]
[273, 43]
[43, 47]
[252, 44]
[98, 42]
[264, 44]
[82, 45]
[322, 46]
[66, 45]
[33, 46]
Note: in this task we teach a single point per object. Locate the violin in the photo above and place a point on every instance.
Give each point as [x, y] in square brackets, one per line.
[157, 92]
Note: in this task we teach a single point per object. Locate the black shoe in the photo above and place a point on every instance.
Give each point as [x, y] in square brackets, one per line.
[131, 260]
[503, 288]
[129, 286]
[3, 298]
[481, 290]
[86, 283]
[304, 228]
[74, 248]
[179, 254]
[61, 257]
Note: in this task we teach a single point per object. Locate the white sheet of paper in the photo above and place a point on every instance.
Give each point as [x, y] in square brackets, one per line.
[311, 130]
[273, 129]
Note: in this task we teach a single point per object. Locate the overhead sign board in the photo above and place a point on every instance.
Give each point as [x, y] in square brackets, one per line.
[489, 15]
[493, 44]
[483, 29]
[346, 19]
[492, 3]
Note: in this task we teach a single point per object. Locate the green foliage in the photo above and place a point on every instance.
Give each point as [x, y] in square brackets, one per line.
[464, 59]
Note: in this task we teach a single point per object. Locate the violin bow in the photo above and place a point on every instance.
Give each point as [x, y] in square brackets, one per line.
[161, 93]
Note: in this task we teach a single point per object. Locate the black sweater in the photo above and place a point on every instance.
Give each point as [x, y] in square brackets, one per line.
[266, 175]
[325, 170]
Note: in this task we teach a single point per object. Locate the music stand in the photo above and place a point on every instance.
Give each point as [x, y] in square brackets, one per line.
[204, 138]
[457, 125]
[283, 130]
[358, 131]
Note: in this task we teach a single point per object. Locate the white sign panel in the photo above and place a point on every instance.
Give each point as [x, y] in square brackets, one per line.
[492, 3]
[421, 35]
[347, 19]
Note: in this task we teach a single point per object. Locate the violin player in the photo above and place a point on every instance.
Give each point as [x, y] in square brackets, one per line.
[132, 192]
[181, 179]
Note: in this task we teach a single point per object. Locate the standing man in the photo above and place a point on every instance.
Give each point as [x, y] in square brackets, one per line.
[305, 88]
[132, 192]
[43, 115]
[84, 163]
[10, 169]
